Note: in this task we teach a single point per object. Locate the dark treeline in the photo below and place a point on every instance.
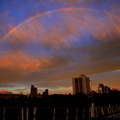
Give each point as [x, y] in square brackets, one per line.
[73, 101]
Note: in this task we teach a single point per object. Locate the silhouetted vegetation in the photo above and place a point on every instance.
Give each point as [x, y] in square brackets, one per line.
[79, 100]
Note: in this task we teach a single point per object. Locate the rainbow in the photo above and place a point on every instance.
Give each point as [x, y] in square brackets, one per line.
[41, 14]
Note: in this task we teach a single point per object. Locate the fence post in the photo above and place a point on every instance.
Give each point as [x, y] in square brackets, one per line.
[4, 113]
[54, 114]
[109, 110]
[113, 112]
[83, 113]
[117, 111]
[67, 114]
[102, 110]
[34, 117]
[27, 113]
[92, 110]
[96, 115]
[76, 113]
[22, 115]
[89, 114]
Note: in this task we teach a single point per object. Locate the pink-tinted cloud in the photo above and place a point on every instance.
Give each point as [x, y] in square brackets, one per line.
[72, 43]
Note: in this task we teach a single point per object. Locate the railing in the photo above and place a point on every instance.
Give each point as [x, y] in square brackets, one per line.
[39, 113]
[42, 113]
[105, 112]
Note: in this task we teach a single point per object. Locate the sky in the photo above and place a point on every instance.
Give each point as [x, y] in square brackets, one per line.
[48, 42]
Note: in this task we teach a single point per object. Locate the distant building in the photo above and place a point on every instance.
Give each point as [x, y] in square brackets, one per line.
[100, 88]
[39, 95]
[103, 89]
[33, 91]
[81, 84]
[28, 95]
[93, 92]
[45, 94]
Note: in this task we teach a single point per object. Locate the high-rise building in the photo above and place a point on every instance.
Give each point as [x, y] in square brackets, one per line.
[33, 91]
[103, 89]
[81, 84]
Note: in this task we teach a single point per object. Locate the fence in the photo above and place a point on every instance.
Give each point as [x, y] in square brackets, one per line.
[105, 112]
[42, 113]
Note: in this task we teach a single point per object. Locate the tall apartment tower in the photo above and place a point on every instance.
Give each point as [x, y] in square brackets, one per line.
[81, 84]
[33, 91]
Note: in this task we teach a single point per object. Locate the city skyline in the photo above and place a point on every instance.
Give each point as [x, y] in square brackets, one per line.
[80, 84]
[47, 43]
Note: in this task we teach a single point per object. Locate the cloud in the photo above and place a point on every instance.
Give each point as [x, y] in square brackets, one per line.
[5, 85]
[110, 79]
[14, 66]
[62, 45]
